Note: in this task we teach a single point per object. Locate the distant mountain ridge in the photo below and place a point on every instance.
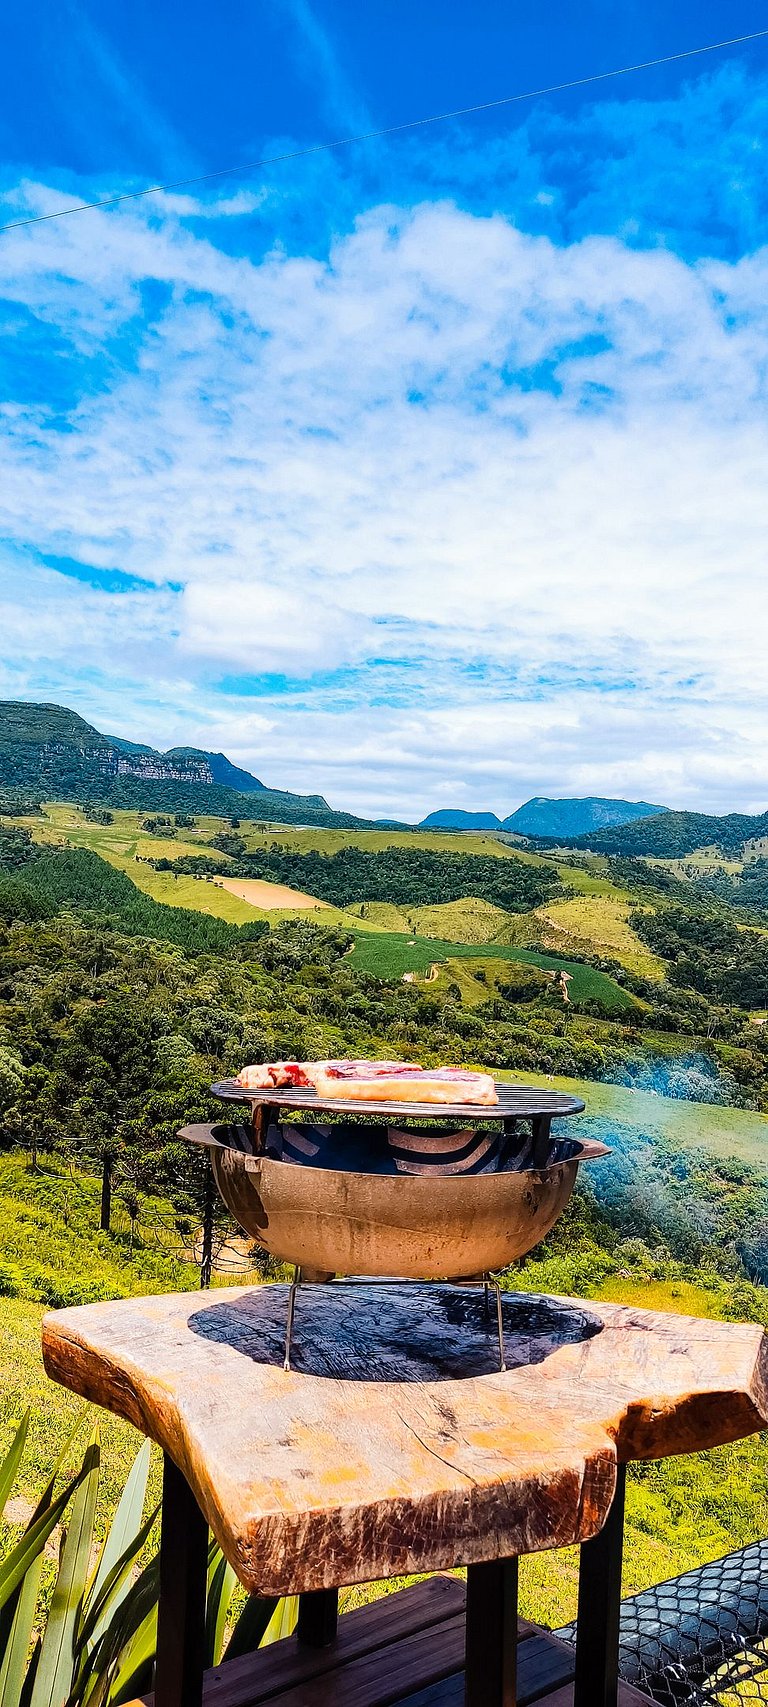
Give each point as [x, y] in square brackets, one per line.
[50, 749]
[454, 819]
[541, 816]
[544, 817]
[214, 767]
[674, 835]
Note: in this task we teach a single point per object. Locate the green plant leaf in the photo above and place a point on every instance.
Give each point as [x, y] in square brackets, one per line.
[221, 1587]
[103, 1608]
[17, 1614]
[250, 1627]
[16, 1654]
[283, 1620]
[127, 1519]
[12, 1460]
[135, 1662]
[16, 1563]
[53, 1682]
[139, 1604]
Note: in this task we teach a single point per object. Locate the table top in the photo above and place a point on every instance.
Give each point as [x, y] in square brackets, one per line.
[394, 1444]
[516, 1102]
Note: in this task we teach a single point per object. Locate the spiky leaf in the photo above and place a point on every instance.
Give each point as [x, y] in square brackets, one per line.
[54, 1679]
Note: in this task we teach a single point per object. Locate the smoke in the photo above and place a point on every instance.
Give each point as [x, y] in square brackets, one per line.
[688, 1078]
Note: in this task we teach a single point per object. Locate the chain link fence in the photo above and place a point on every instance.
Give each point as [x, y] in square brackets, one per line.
[208, 1239]
[701, 1638]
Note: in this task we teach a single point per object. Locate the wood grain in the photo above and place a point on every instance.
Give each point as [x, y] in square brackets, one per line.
[392, 1447]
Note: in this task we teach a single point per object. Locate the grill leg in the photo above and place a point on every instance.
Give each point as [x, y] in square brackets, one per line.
[295, 1284]
[540, 1133]
[318, 1618]
[500, 1326]
[597, 1629]
[491, 1653]
[181, 1608]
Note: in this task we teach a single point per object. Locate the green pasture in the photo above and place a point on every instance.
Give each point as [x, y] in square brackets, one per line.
[374, 841]
[597, 923]
[458, 925]
[731, 1133]
[391, 955]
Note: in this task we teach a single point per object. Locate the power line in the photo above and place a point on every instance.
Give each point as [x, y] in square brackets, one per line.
[388, 130]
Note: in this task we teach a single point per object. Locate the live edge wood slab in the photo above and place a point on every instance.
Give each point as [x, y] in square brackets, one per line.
[392, 1446]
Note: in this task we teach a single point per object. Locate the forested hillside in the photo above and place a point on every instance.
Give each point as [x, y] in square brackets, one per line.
[49, 751]
[672, 835]
[709, 953]
[402, 876]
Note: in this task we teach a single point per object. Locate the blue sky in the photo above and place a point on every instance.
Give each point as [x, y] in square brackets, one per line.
[429, 471]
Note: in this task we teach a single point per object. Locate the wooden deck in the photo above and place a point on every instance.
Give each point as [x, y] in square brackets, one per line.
[405, 1650]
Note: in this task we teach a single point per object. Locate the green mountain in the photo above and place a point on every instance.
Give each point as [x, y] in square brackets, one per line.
[48, 750]
[218, 765]
[557, 818]
[673, 835]
[450, 819]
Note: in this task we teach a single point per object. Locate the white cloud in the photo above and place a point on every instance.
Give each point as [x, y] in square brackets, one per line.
[535, 475]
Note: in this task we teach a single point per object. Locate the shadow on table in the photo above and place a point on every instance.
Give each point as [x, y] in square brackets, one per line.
[359, 1332]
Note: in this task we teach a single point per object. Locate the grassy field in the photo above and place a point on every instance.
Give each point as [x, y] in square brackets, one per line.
[726, 1132]
[477, 976]
[390, 955]
[125, 845]
[23, 1382]
[702, 861]
[49, 1239]
[469, 920]
[594, 919]
[598, 923]
[373, 841]
[52, 1253]
[64, 822]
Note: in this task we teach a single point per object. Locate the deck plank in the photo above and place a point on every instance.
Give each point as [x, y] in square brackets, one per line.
[542, 1664]
[628, 1697]
[392, 1618]
[403, 1642]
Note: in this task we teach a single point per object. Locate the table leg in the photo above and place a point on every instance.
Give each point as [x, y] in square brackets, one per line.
[181, 1608]
[491, 1652]
[597, 1629]
[318, 1618]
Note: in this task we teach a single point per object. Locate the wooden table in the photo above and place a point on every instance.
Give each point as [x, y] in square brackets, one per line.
[392, 1446]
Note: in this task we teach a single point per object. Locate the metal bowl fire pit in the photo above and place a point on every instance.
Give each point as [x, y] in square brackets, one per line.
[368, 1199]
